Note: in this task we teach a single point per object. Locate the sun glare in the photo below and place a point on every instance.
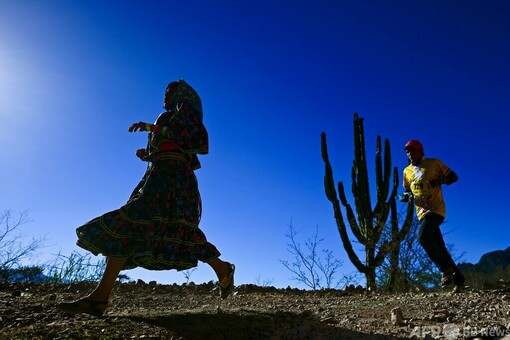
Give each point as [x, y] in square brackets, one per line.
[20, 94]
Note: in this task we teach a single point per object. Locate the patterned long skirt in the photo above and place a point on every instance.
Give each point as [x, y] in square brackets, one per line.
[157, 228]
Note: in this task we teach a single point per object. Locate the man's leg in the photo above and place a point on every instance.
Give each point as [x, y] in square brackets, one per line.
[432, 241]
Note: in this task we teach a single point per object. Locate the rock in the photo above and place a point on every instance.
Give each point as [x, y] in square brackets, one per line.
[451, 331]
[50, 297]
[440, 315]
[329, 320]
[397, 318]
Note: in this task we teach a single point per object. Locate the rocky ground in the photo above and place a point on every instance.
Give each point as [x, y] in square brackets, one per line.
[152, 311]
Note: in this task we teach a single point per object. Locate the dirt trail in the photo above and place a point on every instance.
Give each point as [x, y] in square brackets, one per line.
[141, 311]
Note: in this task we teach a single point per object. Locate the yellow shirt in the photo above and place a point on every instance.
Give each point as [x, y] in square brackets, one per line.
[416, 179]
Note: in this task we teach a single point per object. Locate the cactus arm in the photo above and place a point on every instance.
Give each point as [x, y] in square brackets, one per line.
[361, 188]
[387, 168]
[383, 175]
[329, 182]
[393, 194]
[406, 226]
[382, 217]
[382, 252]
[379, 181]
[353, 257]
[331, 194]
[360, 236]
[389, 246]
[387, 165]
[358, 205]
[396, 236]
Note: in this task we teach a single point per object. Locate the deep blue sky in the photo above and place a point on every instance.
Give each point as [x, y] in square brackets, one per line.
[272, 75]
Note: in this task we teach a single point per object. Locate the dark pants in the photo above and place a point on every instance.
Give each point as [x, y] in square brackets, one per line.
[431, 239]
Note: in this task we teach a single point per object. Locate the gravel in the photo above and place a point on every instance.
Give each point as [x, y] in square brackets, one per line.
[153, 311]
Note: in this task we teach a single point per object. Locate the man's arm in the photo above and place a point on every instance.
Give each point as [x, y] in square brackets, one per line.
[450, 178]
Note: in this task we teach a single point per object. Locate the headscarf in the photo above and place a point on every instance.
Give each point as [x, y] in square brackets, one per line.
[186, 94]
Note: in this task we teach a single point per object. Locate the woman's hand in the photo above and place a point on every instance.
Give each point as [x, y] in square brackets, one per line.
[141, 153]
[140, 126]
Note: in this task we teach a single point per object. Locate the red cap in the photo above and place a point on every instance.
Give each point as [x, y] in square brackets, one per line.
[414, 144]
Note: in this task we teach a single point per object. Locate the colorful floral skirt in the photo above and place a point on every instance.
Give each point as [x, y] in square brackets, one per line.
[157, 228]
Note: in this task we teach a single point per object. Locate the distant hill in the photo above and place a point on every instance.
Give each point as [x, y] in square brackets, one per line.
[491, 268]
[490, 262]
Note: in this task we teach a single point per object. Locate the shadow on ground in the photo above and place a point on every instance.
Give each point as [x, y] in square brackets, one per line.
[249, 325]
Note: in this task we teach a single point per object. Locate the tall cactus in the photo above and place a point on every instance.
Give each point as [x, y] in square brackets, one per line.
[367, 224]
